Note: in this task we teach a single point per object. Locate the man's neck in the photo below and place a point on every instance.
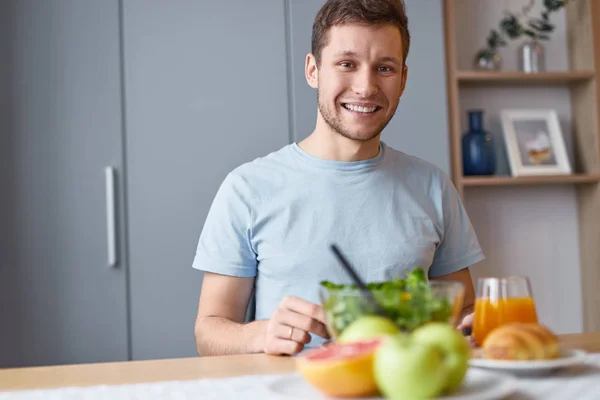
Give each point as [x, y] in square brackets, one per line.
[330, 145]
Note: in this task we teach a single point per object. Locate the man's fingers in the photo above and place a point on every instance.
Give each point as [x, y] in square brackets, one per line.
[282, 346]
[320, 329]
[304, 307]
[295, 334]
[303, 322]
[291, 323]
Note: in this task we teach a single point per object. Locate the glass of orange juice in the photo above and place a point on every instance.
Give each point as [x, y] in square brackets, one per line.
[500, 301]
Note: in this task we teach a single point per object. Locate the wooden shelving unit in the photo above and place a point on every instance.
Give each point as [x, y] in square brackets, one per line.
[583, 82]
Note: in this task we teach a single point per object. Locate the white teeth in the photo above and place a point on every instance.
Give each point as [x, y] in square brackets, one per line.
[352, 107]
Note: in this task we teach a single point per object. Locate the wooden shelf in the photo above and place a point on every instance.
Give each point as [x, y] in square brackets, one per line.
[478, 78]
[478, 181]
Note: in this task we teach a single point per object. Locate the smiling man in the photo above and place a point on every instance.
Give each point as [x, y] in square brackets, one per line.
[273, 219]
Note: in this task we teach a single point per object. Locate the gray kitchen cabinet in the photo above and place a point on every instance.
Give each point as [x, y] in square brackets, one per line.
[172, 95]
[8, 312]
[61, 302]
[205, 90]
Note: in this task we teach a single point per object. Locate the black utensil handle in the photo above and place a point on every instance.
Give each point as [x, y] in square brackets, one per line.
[348, 268]
[366, 292]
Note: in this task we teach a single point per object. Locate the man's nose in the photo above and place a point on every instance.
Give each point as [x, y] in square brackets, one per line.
[365, 83]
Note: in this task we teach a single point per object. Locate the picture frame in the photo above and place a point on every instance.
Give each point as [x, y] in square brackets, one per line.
[534, 142]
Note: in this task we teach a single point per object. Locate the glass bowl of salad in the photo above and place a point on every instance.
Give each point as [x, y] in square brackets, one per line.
[410, 302]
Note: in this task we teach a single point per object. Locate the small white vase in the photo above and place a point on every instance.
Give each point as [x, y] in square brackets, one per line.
[532, 57]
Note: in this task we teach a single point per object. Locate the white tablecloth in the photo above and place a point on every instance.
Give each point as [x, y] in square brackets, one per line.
[580, 383]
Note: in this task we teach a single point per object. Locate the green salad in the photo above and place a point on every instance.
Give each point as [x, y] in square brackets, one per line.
[409, 301]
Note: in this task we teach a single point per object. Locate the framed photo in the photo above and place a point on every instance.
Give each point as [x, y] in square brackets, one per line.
[534, 143]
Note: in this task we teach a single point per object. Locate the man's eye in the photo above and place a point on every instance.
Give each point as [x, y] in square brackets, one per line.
[384, 69]
[346, 64]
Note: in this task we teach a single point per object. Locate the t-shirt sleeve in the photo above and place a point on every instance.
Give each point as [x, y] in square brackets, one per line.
[459, 247]
[225, 245]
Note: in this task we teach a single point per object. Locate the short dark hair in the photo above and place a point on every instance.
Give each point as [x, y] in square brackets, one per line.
[371, 12]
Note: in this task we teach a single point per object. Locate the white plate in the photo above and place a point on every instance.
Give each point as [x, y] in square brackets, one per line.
[566, 358]
[478, 385]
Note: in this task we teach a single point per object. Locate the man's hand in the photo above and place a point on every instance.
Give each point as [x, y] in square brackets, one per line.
[466, 315]
[289, 327]
[467, 323]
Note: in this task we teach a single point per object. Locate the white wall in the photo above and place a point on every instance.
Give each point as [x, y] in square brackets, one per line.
[523, 231]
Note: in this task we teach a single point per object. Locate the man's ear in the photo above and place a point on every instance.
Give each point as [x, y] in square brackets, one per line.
[311, 71]
[404, 78]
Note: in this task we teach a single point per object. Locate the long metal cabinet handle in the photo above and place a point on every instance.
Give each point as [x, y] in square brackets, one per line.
[109, 175]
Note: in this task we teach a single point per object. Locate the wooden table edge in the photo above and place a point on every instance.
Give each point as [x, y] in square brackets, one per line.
[183, 369]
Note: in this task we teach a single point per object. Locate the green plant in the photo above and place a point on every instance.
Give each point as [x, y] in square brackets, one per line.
[513, 26]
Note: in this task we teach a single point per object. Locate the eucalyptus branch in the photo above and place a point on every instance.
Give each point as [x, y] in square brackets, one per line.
[512, 25]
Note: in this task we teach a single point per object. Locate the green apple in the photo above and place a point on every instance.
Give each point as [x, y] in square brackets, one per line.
[405, 369]
[453, 346]
[368, 327]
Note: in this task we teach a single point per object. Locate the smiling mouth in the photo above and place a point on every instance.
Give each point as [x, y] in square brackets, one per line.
[361, 109]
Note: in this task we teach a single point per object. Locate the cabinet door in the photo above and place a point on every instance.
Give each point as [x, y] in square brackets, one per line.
[63, 302]
[206, 90]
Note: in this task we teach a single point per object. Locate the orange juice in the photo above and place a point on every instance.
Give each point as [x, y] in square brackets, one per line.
[489, 314]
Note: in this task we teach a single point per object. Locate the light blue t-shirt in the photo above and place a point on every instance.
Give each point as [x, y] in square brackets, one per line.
[274, 219]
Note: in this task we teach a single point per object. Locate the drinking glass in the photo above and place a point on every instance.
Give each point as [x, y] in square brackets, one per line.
[501, 301]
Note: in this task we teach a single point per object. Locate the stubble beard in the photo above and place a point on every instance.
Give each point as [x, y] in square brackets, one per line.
[336, 124]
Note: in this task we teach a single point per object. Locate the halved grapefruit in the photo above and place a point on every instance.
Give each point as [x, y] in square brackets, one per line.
[341, 369]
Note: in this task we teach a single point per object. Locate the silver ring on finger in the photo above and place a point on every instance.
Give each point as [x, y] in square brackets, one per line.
[291, 332]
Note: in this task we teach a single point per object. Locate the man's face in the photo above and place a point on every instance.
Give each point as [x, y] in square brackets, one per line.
[360, 79]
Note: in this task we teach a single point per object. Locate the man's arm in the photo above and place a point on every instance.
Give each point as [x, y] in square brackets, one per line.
[220, 327]
[463, 276]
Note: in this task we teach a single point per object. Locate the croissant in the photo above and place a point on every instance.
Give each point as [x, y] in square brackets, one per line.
[521, 341]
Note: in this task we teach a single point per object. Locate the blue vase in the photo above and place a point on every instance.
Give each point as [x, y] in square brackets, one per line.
[479, 157]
